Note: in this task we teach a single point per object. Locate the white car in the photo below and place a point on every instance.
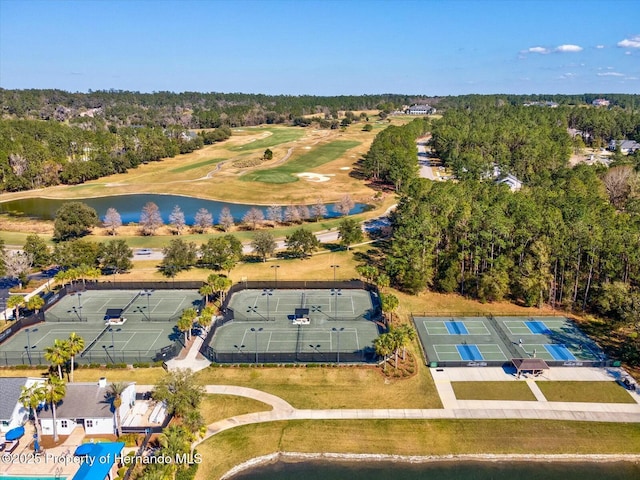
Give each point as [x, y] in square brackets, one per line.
[144, 251]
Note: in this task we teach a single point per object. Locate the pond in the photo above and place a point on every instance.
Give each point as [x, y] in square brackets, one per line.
[446, 470]
[130, 206]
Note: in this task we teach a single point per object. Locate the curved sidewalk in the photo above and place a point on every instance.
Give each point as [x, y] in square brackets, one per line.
[468, 409]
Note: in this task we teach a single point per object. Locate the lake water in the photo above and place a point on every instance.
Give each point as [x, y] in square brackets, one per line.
[130, 206]
[463, 470]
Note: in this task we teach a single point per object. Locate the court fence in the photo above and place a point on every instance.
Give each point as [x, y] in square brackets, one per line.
[247, 356]
[375, 313]
[100, 356]
[507, 364]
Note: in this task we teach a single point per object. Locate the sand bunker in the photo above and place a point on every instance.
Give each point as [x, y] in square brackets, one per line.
[314, 177]
[345, 168]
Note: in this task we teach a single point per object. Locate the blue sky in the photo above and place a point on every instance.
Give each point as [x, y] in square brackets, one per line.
[330, 47]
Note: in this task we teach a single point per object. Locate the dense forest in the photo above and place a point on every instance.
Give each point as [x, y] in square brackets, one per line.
[570, 238]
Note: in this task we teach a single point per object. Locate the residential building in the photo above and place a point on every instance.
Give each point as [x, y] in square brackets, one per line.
[87, 405]
[600, 102]
[12, 413]
[626, 146]
[420, 110]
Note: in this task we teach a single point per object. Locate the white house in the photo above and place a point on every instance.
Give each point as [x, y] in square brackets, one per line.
[512, 181]
[12, 412]
[626, 146]
[420, 110]
[600, 102]
[87, 405]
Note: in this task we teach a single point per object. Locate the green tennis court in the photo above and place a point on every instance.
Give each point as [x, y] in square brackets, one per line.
[145, 305]
[147, 334]
[281, 304]
[297, 325]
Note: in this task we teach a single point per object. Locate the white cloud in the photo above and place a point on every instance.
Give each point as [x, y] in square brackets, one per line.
[633, 42]
[610, 74]
[568, 48]
[599, 47]
[567, 76]
[540, 50]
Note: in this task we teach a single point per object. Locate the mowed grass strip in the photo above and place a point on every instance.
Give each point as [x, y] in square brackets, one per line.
[414, 437]
[493, 391]
[219, 407]
[193, 166]
[278, 136]
[593, 392]
[330, 387]
[285, 173]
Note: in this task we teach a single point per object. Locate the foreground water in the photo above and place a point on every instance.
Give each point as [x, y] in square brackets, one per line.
[460, 470]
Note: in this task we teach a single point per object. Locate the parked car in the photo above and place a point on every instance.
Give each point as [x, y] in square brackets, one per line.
[144, 251]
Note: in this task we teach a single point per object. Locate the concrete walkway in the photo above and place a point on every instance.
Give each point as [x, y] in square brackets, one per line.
[541, 409]
[191, 360]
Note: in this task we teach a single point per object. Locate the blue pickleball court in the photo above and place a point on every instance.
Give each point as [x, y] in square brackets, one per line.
[456, 328]
[559, 352]
[469, 352]
[537, 327]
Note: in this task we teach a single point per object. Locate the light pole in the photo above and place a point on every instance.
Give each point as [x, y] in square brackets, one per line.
[28, 345]
[335, 291]
[256, 330]
[275, 270]
[338, 330]
[267, 292]
[79, 306]
[239, 348]
[148, 294]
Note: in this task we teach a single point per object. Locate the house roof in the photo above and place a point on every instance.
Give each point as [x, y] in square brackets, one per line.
[82, 400]
[10, 390]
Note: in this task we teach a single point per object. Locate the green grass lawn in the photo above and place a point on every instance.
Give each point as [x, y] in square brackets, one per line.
[319, 156]
[414, 437]
[278, 136]
[594, 392]
[193, 166]
[330, 387]
[493, 391]
[219, 407]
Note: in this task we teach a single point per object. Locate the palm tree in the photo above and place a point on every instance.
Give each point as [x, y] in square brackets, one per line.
[114, 394]
[15, 302]
[206, 317]
[57, 354]
[75, 345]
[186, 322]
[32, 398]
[54, 391]
[174, 441]
[384, 346]
[35, 303]
[408, 335]
[206, 290]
